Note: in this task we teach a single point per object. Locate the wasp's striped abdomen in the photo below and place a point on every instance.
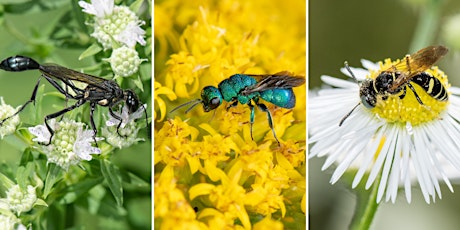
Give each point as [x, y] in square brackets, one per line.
[431, 85]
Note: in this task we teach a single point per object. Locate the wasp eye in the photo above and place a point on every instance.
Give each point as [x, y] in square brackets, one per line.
[132, 102]
[369, 101]
[214, 103]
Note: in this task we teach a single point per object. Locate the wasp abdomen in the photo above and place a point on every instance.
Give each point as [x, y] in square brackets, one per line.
[284, 98]
[431, 85]
[19, 63]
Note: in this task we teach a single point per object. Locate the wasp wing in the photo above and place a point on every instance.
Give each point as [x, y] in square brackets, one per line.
[65, 75]
[421, 60]
[416, 63]
[281, 80]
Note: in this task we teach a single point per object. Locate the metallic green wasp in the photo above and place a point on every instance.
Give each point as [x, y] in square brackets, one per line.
[247, 89]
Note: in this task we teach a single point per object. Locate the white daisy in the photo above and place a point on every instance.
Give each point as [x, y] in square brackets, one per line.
[400, 139]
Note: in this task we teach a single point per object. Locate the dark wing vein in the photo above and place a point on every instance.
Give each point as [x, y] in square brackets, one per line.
[65, 74]
[282, 80]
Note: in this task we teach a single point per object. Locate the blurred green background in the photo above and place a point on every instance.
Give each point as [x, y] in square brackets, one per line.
[349, 31]
[54, 31]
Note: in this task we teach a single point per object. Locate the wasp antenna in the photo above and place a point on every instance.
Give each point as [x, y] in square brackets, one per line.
[194, 102]
[348, 114]
[351, 72]
[197, 101]
[213, 115]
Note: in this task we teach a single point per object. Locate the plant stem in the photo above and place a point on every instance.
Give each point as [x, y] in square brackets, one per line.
[427, 26]
[366, 207]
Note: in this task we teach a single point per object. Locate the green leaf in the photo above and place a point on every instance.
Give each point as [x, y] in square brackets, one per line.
[138, 83]
[145, 71]
[54, 175]
[23, 174]
[135, 6]
[40, 202]
[26, 157]
[113, 178]
[73, 192]
[92, 50]
[94, 199]
[5, 182]
[133, 182]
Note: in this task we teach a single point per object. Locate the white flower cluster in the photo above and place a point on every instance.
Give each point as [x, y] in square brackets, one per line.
[69, 145]
[119, 28]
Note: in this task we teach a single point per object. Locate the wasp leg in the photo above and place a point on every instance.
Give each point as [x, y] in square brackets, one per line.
[119, 124]
[65, 91]
[251, 118]
[233, 104]
[415, 93]
[408, 63]
[91, 119]
[270, 120]
[59, 113]
[403, 94]
[147, 121]
[32, 99]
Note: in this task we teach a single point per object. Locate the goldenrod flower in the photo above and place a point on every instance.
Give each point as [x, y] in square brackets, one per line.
[160, 90]
[213, 158]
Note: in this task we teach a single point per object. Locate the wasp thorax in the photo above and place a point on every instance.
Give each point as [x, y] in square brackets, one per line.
[211, 98]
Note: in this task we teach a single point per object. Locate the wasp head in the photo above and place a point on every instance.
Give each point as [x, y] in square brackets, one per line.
[131, 100]
[211, 98]
[367, 94]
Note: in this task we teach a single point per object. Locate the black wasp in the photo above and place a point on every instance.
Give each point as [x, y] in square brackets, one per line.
[394, 81]
[99, 91]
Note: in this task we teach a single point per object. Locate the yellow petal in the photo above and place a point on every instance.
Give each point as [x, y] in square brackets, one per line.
[200, 189]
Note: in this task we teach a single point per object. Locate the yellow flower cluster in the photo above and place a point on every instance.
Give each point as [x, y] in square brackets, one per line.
[209, 164]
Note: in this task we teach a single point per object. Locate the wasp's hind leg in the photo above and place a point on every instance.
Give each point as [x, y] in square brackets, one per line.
[270, 120]
[32, 99]
[251, 118]
[57, 114]
[415, 94]
[119, 124]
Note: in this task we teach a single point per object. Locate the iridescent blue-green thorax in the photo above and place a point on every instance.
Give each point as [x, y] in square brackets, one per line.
[232, 86]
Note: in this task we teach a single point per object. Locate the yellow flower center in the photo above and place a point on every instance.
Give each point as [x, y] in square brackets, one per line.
[408, 109]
